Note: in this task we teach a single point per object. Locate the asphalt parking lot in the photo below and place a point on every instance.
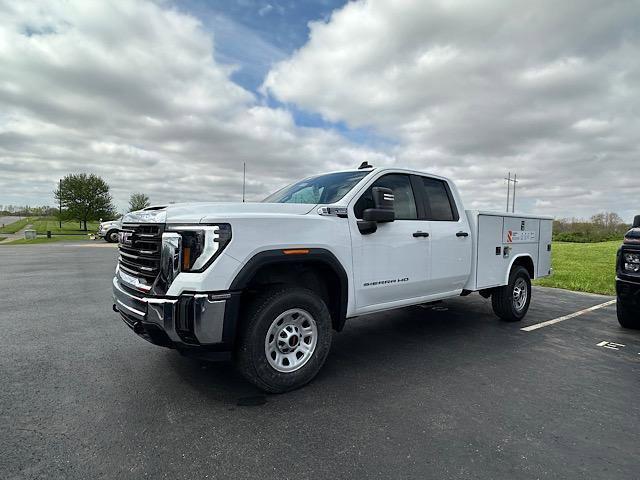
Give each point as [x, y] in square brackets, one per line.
[446, 391]
[8, 220]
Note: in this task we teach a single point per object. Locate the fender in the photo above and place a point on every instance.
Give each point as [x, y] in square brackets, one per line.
[513, 260]
[313, 255]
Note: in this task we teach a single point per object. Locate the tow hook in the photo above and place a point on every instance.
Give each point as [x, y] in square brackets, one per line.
[115, 309]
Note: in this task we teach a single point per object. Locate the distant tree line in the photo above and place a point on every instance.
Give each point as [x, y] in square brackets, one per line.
[83, 198]
[601, 227]
[28, 211]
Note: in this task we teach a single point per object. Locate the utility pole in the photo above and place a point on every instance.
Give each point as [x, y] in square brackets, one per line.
[60, 199]
[515, 181]
[244, 178]
[508, 179]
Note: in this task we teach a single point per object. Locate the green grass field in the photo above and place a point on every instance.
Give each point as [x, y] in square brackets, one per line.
[55, 238]
[584, 267]
[15, 226]
[41, 225]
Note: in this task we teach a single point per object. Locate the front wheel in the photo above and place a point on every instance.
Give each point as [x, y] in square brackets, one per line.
[285, 339]
[511, 302]
[624, 316]
[111, 236]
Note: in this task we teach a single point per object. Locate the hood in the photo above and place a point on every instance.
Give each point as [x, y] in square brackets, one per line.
[632, 237]
[201, 212]
[110, 223]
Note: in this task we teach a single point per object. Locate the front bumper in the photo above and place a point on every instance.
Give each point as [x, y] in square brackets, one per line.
[628, 293]
[200, 324]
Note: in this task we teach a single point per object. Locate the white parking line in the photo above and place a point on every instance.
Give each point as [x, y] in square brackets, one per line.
[567, 317]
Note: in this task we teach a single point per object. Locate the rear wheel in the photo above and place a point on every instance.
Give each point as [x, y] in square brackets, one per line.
[511, 302]
[111, 236]
[625, 317]
[285, 340]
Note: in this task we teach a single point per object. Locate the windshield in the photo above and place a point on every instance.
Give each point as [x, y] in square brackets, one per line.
[327, 188]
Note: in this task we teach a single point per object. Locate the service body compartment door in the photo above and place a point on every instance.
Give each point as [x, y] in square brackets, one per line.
[521, 236]
[544, 248]
[501, 239]
[491, 264]
[521, 231]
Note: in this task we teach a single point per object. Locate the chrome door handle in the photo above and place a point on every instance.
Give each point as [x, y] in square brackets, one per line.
[462, 234]
[420, 234]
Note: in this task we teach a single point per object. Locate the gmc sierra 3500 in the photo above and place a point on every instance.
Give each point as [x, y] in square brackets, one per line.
[265, 283]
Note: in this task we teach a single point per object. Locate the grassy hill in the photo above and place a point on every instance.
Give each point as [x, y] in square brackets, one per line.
[584, 267]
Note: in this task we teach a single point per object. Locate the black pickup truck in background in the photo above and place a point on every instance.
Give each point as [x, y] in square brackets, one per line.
[628, 278]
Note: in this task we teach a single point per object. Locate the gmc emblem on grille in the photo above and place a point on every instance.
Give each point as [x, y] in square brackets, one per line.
[126, 238]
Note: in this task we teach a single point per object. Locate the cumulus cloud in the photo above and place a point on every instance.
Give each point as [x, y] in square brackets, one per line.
[472, 90]
[132, 91]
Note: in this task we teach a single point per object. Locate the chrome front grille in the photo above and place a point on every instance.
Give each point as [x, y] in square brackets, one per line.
[140, 250]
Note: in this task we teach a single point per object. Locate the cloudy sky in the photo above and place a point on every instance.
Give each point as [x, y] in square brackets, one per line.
[171, 97]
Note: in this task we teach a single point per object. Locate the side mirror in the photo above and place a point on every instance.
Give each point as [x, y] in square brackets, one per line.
[383, 206]
[636, 221]
[383, 210]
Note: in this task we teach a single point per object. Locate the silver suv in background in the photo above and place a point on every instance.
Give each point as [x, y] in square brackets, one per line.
[109, 230]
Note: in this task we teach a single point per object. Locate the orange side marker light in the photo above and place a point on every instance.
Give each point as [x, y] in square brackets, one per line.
[299, 251]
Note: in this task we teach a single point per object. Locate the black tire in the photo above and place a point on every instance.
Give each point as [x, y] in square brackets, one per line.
[111, 236]
[259, 318]
[502, 298]
[625, 317]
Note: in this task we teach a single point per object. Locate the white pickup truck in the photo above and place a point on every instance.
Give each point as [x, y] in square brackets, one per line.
[110, 230]
[266, 283]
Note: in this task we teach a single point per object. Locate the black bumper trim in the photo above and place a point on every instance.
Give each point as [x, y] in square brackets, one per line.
[628, 293]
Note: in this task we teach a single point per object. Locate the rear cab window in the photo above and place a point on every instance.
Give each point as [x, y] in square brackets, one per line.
[439, 204]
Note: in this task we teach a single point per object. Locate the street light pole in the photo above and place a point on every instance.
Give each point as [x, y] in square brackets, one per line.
[60, 203]
[244, 178]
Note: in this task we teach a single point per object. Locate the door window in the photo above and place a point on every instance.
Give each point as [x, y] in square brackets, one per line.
[404, 202]
[439, 202]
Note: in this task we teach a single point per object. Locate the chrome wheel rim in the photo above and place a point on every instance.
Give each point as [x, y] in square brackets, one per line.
[114, 237]
[291, 340]
[520, 294]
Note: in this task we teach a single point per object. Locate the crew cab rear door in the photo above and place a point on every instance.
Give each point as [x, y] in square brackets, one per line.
[390, 265]
[450, 234]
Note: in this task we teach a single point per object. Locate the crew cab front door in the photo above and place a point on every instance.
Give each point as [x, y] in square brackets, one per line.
[391, 265]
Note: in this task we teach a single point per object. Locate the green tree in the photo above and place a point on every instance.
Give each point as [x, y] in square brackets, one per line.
[138, 201]
[85, 197]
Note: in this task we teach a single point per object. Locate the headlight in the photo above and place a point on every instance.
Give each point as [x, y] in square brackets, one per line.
[200, 245]
[631, 262]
